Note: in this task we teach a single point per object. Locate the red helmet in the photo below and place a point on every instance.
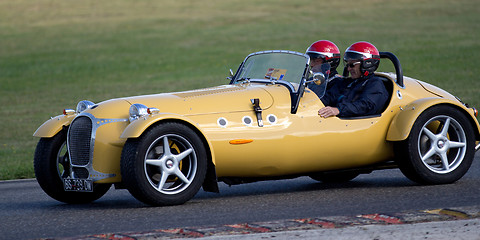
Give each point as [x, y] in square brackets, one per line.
[366, 53]
[326, 50]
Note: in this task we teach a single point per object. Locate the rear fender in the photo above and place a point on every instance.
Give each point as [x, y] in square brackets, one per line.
[402, 123]
[51, 127]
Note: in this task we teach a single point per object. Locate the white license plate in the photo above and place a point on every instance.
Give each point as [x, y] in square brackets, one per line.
[78, 185]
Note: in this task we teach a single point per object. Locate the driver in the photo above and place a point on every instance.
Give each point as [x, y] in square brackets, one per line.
[362, 93]
[320, 52]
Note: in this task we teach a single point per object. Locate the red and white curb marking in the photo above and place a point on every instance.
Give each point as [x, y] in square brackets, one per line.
[295, 224]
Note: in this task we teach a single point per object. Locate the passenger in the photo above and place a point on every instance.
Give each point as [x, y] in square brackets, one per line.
[320, 52]
[362, 93]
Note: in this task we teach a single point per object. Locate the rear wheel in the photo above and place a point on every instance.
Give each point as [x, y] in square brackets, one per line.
[165, 166]
[440, 147]
[51, 164]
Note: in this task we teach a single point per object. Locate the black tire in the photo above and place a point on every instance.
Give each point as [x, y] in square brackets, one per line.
[51, 163]
[440, 147]
[334, 177]
[162, 175]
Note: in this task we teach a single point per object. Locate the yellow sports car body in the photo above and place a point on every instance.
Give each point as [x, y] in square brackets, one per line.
[264, 125]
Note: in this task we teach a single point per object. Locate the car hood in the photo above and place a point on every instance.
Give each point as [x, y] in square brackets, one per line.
[225, 98]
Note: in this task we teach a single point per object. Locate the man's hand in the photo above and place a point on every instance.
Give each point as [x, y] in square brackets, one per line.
[328, 112]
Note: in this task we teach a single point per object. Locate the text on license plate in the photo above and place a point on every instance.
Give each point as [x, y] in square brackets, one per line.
[78, 185]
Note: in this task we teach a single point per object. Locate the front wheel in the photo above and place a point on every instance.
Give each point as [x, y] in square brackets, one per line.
[165, 166]
[440, 147]
[51, 164]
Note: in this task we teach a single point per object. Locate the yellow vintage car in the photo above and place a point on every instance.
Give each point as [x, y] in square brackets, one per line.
[263, 125]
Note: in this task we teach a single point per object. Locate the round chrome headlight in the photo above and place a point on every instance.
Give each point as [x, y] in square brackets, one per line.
[137, 110]
[84, 105]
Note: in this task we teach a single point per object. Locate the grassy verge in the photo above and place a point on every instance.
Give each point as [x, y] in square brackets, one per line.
[54, 53]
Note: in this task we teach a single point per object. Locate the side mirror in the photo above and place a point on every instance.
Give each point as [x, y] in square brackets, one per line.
[318, 78]
[319, 74]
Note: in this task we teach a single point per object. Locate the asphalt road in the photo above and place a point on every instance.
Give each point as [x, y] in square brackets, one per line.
[26, 212]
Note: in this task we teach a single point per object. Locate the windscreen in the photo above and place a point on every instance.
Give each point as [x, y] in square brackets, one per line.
[274, 65]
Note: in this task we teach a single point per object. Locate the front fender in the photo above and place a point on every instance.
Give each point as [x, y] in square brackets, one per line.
[51, 127]
[137, 127]
[402, 123]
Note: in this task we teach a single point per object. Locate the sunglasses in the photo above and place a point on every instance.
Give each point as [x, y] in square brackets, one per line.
[351, 65]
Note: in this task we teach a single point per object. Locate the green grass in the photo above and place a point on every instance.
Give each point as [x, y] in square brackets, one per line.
[54, 53]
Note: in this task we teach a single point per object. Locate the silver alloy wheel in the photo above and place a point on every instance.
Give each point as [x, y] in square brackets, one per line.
[170, 164]
[442, 150]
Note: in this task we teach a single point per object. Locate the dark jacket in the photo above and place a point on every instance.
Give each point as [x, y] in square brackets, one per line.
[357, 97]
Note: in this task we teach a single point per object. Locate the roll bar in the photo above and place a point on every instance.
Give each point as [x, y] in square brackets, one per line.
[396, 64]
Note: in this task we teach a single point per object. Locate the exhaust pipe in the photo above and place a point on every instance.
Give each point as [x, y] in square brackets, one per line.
[477, 147]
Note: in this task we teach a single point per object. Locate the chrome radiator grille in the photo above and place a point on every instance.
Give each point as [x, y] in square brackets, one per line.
[79, 141]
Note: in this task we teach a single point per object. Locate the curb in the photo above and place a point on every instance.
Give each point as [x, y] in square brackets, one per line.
[303, 224]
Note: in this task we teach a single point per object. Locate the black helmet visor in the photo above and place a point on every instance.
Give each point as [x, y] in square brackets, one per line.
[349, 56]
[315, 55]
